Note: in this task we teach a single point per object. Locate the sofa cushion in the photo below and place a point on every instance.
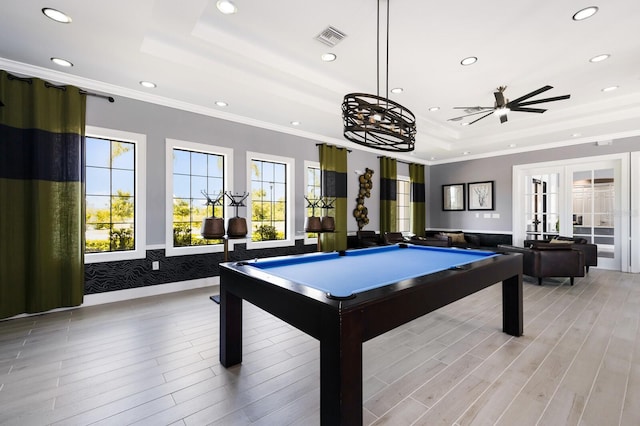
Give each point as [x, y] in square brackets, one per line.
[456, 237]
[557, 241]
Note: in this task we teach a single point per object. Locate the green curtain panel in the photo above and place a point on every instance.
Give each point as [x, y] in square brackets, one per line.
[418, 206]
[333, 167]
[41, 195]
[388, 195]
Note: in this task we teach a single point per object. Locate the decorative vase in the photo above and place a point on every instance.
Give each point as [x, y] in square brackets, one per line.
[312, 224]
[237, 227]
[212, 228]
[328, 224]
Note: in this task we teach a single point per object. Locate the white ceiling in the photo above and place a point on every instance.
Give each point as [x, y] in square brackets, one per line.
[265, 63]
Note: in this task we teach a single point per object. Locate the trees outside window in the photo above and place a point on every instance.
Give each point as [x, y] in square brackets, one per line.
[268, 200]
[110, 195]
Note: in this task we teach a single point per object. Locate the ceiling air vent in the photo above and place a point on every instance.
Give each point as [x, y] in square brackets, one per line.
[330, 36]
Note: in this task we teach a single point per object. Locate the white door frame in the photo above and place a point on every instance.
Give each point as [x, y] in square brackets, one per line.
[635, 212]
[624, 214]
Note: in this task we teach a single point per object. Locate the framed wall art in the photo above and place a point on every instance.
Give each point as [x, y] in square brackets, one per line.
[453, 197]
[481, 195]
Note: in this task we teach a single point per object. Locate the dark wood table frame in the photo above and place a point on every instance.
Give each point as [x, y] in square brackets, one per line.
[342, 326]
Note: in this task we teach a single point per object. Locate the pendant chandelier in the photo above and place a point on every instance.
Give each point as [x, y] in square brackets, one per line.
[376, 121]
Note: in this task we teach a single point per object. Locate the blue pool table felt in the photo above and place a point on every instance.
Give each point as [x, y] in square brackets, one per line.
[360, 270]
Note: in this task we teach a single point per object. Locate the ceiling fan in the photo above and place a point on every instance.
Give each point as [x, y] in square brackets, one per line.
[503, 106]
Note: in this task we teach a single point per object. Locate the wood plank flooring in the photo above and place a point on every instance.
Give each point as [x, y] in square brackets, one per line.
[154, 361]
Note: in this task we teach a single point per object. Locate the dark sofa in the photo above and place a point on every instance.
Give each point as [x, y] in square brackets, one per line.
[472, 240]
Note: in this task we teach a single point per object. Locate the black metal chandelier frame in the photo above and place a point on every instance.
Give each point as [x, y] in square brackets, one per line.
[376, 121]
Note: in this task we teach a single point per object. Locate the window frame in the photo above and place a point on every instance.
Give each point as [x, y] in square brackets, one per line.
[407, 180]
[140, 172]
[309, 165]
[227, 153]
[289, 162]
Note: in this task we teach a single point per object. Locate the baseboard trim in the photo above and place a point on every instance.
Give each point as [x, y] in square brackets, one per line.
[154, 290]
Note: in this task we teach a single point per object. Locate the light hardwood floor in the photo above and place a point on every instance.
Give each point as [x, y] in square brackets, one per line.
[154, 361]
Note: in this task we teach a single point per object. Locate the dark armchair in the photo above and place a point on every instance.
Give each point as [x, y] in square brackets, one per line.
[547, 260]
[590, 251]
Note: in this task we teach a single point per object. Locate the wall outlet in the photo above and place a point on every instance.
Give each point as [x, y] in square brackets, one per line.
[155, 265]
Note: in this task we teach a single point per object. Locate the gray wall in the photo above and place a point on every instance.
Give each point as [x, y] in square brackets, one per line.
[499, 169]
[159, 122]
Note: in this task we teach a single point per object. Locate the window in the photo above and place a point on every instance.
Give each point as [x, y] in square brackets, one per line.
[270, 208]
[114, 220]
[404, 204]
[313, 192]
[195, 173]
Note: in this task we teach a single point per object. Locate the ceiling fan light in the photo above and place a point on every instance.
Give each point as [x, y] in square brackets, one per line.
[500, 112]
[585, 13]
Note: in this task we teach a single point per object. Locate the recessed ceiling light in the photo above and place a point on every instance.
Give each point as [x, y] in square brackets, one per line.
[56, 15]
[432, 158]
[468, 61]
[148, 84]
[512, 145]
[295, 123]
[610, 88]
[397, 90]
[600, 58]
[222, 103]
[434, 109]
[575, 135]
[466, 153]
[226, 6]
[328, 57]
[61, 62]
[585, 13]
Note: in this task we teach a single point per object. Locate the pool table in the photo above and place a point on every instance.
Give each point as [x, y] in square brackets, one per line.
[346, 298]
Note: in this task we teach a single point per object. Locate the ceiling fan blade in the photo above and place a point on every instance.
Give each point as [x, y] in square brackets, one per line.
[503, 118]
[540, 101]
[520, 109]
[532, 94]
[478, 119]
[467, 115]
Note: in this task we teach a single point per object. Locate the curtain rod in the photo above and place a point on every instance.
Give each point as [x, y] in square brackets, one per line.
[50, 85]
[339, 147]
[399, 161]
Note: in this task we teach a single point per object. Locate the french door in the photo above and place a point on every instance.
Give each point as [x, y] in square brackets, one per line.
[580, 198]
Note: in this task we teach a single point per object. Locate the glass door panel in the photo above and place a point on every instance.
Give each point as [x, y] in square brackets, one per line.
[594, 212]
[542, 219]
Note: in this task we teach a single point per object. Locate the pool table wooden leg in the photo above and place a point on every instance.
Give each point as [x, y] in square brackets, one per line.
[230, 328]
[512, 305]
[340, 371]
